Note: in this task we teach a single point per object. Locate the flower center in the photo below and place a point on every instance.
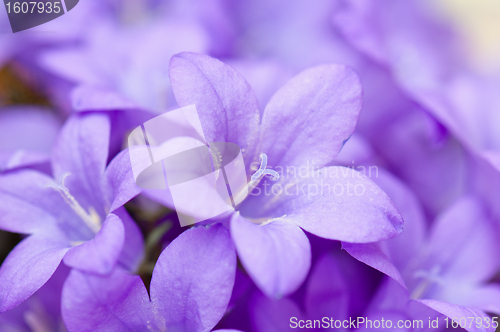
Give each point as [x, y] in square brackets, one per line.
[91, 218]
[428, 278]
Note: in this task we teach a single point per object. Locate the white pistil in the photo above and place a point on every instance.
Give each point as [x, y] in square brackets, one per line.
[256, 178]
[90, 218]
[262, 171]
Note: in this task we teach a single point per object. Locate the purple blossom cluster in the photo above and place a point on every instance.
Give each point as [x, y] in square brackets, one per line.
[371, 147]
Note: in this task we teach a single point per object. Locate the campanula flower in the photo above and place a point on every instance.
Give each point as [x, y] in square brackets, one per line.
[76, 217]
[446, 267]
[305, 123]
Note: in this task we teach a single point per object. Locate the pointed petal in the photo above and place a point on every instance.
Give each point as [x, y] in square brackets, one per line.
[114, 303]
[277, 255]
[27, 268]
[336, 203]
[193, 279]
[374, 255]
[308, 120]
[392, 256]
[456, 312]
[82, 151]
[100, 254]
[227, 106]
[408, 244]
[119, 183]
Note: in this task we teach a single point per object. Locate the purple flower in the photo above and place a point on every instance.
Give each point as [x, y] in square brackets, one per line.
[190, 289]
[391, 303]
[424, 60]
[77, 217]
[446, 267]
[304, 125]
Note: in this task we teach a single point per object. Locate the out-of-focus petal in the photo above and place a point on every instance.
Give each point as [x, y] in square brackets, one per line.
[486, 298]
[27, 134]
[309, 119]
[193, 279]
[462, 241]
[27, 268]
[282, 318]
[457, 312]
[327, 294]
[100, 254]
[277, 255]
[90, 98]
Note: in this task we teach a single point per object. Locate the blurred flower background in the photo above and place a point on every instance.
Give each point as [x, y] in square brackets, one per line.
[72, 89]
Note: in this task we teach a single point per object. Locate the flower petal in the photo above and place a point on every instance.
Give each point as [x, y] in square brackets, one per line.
[133, 248]
[270, 315]
[119, 182]
[335, 202]
[456, 312]
[26, 136]
[374, 255]
[27, 205]
[118, 302]
[309, 119]
[27, 268]
[193, 279]
[486, 298]
[82, 151]
[392, 256]
[277, 255]
[91, 98]
[100, 254]
[462, 241]
[227, 106]
[327, 293]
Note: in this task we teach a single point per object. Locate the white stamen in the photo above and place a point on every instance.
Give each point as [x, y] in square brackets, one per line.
[90, 217]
